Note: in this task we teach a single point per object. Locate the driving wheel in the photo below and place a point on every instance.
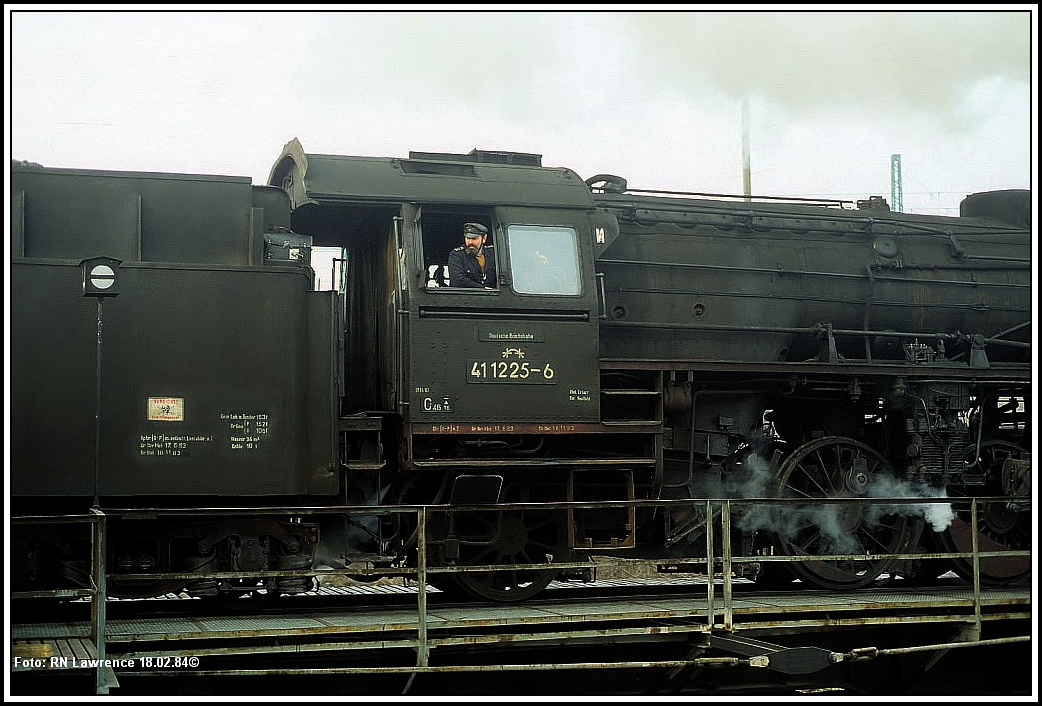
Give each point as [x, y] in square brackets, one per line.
[509, 538]
[1001, 525]
[837, 467]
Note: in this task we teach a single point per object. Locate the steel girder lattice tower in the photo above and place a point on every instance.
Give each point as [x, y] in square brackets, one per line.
[896, 191]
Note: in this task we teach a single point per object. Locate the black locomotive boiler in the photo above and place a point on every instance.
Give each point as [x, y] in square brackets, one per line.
[638, 348]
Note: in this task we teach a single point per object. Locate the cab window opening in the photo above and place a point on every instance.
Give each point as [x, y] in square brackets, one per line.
[543, 259]
[441, 233]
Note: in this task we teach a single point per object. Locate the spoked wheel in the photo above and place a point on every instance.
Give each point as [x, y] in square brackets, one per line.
[508, 538]
[837, 467]
[1000, 525]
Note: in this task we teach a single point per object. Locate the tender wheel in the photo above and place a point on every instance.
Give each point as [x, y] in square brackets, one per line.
[1000, 525]
[505, 538]
[837, 467]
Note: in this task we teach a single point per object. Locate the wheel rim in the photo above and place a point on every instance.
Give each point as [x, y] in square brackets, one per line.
[837, 467]
[999, 527]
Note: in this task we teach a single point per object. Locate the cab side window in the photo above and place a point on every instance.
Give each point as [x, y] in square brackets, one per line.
[544, 259]
[442, 231]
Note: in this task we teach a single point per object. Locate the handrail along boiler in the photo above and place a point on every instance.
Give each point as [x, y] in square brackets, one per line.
[638, 346]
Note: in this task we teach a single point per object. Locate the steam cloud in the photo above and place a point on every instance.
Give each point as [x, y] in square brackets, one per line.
[831, 521]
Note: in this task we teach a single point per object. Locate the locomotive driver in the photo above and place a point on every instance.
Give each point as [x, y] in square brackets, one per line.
[473, 264]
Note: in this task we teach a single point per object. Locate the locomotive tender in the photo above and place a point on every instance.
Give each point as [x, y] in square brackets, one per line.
[638, 346]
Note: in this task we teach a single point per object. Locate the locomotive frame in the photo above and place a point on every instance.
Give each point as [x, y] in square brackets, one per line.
[672, 347]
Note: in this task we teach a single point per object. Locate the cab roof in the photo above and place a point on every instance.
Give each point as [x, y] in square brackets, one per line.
[480, 177]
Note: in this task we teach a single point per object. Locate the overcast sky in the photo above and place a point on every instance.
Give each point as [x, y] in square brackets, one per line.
[655, 97]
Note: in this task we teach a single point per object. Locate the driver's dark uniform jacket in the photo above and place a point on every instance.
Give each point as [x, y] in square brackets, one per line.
[465, 272]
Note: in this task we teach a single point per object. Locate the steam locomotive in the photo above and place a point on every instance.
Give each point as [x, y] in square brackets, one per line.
[173, 349]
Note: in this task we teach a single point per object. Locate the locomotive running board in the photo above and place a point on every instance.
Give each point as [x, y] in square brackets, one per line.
[586, 463]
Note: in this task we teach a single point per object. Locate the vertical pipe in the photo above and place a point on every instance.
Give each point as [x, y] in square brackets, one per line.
[710, 568]
[97, 606]
[975, 539]
[725, 539]
[421, 577]
[747, 184]
[97, 416]
[422, 649]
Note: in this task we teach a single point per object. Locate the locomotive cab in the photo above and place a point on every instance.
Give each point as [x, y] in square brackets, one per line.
[511, 358]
